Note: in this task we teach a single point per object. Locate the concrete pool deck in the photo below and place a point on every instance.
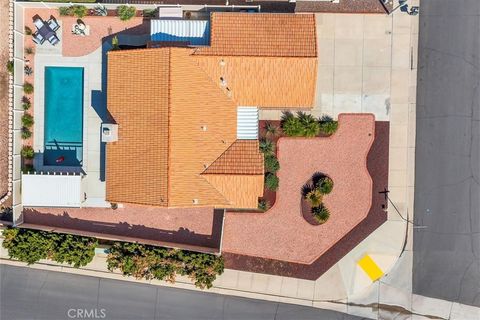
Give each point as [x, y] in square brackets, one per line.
[94, 106]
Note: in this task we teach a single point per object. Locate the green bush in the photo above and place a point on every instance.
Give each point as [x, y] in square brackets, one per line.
[266, 146]
[27, 168]
[27, 120]
[310, 125]
[28, 31]
[271, 181]
[271, 163]
[325, 185]
[291, 125]
[149, 262]
[27, 152]
[31, 246]
[79, 11]
[10, 66]
[126, 13]
[263, 205]
[321, 213]
[26, 133]
[150, 13]
[28, 88]
[328, 125]
[65, 11]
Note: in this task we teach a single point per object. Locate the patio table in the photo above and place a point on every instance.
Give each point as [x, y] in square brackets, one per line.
[45, 31]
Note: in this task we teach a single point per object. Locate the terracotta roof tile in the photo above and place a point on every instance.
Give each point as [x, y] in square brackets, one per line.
[241, 158]
[262, 34]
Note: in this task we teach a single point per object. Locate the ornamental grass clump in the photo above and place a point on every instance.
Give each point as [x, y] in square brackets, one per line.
[271, 181]
[271, 164]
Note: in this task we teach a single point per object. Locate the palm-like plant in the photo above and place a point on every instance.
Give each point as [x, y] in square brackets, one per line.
[328, 125]
[314, 197]
[310, 125]
[292, 126]
[266, 146]
[321, 213]
[271, 129]
[26, 133]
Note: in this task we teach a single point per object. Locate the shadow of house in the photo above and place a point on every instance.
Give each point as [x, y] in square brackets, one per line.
[377, 164]
[123, 231]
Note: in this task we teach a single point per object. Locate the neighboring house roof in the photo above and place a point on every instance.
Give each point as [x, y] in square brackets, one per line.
[261, 34]
[177, 130]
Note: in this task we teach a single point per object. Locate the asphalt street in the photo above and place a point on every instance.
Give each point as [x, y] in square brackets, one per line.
[36, 294]
[446, 260]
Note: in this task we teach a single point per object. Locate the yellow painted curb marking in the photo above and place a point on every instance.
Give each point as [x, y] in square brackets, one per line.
[370, 267]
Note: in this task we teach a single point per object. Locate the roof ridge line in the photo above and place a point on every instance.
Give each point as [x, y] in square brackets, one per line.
[221, 155]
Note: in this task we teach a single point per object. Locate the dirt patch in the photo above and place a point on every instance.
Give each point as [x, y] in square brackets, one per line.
[3, 97]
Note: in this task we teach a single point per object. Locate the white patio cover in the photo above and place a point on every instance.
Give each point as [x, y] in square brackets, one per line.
[51, 190]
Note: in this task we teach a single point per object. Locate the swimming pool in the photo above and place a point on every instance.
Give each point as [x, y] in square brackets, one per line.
[63, 137]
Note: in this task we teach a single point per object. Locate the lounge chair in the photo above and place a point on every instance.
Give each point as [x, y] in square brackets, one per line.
[53, 39]
[38, 38]
[53, 24]
[38, 23]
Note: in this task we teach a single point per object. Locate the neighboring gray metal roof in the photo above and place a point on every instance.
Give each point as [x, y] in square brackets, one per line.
[196, 32]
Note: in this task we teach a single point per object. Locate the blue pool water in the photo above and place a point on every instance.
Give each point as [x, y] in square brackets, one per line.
[63, 127]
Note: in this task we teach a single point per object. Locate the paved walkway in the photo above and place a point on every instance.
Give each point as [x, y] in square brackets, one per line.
[4, 105]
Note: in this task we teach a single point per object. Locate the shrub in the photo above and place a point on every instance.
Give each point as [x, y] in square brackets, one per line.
[328, 125]
[65, 11]
[27, 168]
[321, 213]
[27, 152]
[28, 88]
[150, 13]
[271, 181]
[28, 70]
[31, 246]
[26, 133]
[26, 104]
[28, 50]
[291, 125]
[271, 129]
[325, 185]
[314, 197]
[10, 66]
[78, 11]
[310, 125]
[266, 146]
[271, 163]
[263, 205]
[126, 13]
[148, 262]
[27, 120]
[28, 31]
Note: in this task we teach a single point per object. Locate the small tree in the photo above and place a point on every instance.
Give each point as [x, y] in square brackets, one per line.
[266, 146]
[328, 125]
[271, 163]
[27, 88]
[26, 133]
[27, 120]
[126, 13]
[27, 152]
[271, 181]
[321, 213]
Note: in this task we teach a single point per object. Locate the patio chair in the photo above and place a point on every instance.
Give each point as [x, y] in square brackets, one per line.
[38, 38]
[53, 24]
[38, 23]
[53, 40]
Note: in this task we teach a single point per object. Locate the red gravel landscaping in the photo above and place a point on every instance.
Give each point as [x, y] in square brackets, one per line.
[282, 233]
